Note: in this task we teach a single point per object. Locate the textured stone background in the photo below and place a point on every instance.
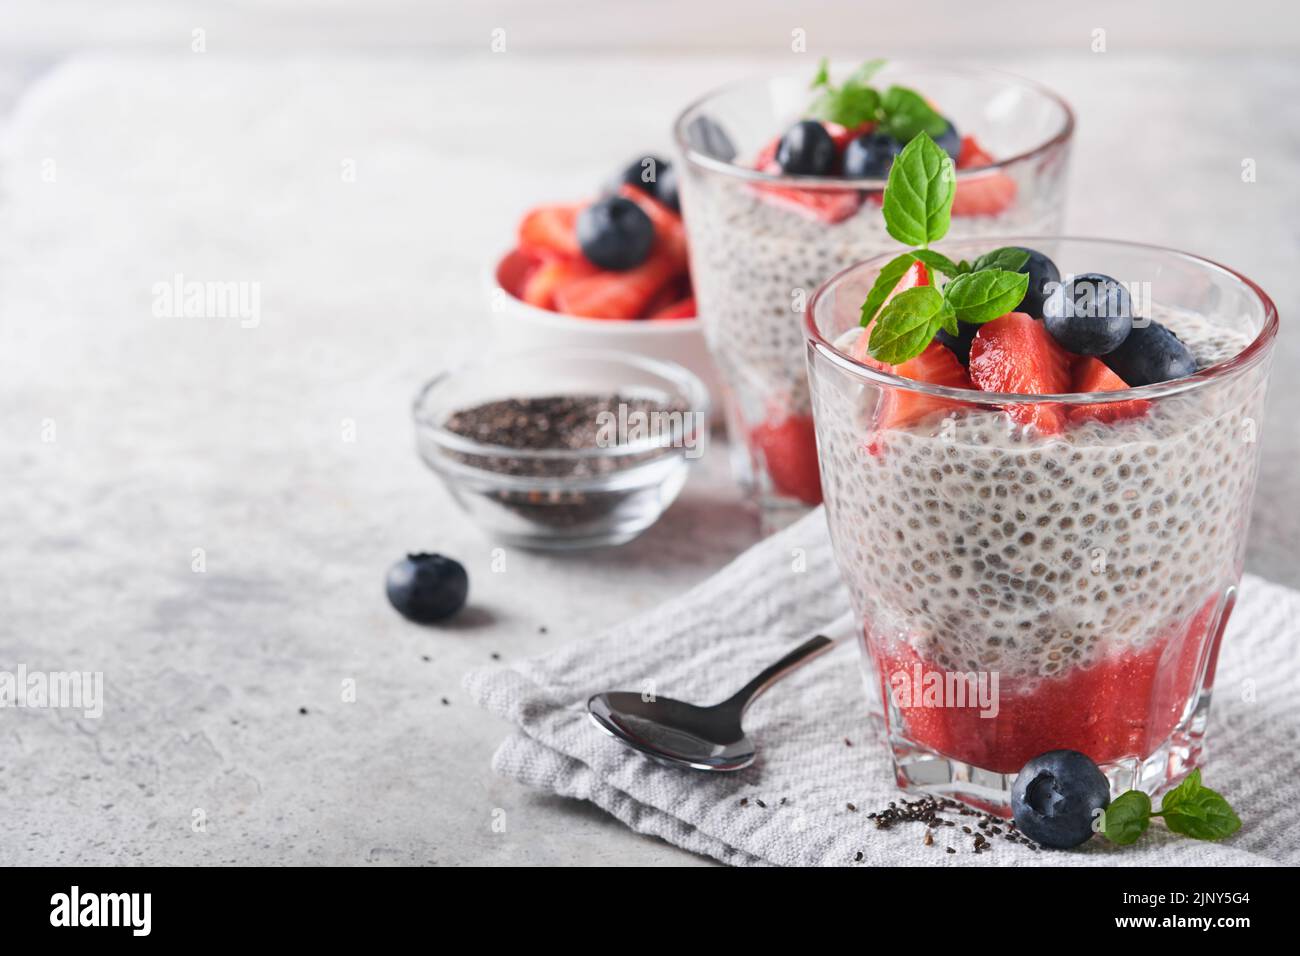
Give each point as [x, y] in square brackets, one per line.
[179, 434]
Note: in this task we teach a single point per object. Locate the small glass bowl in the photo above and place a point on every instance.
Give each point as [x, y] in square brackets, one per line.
[564, 499]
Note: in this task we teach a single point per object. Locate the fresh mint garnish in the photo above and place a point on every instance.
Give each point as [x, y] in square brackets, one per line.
[1127, 817]
[938, 262]
[908, 324]
[1010, 258]
[918, 210]
[979, 297]
[899, 111]
[1191, 808]
[907, 115]
[918, 196]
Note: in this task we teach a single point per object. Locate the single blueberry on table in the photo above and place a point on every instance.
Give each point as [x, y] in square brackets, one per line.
[1056, 798]
[949, 140]
[1044, 277]
[1151, 354]
[806, 149]
[1092, 314]
[427, 587]
[870, 155]
[960, 343]
[615, 233]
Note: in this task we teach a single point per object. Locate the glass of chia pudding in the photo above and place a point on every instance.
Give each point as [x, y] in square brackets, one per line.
[1045, 571]
[764, 232]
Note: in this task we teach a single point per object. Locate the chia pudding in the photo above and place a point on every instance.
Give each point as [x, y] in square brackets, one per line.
[760, 245]
[1088, 569]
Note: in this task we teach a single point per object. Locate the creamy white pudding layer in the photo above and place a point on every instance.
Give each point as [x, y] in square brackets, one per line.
[988, 547]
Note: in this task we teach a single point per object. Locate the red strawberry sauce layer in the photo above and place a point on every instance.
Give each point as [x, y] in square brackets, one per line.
[1125, 705]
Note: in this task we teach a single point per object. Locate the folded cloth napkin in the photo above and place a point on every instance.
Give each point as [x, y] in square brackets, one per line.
[822, 762]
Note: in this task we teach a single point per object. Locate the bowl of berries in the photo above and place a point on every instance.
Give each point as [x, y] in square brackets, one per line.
[608, 273]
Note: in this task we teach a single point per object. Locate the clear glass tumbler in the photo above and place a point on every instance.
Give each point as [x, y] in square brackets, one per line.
[761, 243]
[1020, 592]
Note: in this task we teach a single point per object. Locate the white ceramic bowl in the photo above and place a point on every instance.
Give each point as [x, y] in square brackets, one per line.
[518, 325]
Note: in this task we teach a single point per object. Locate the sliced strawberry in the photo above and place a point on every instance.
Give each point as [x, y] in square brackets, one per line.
[1093, 375]
[685, 309]
[899, 407]
[915, 275]
[514, 270]
[982, 195]
[619, 295]
[670, 294]
[788, 449]
[669, 231]
[542, 283]
[1015, 353]
[550, 229]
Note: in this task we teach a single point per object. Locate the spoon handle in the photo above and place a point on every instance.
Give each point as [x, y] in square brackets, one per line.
[805, 652]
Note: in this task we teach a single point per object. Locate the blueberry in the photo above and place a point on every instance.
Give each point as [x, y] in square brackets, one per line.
[615, 233]
[806, 149]
[666, 188]
[1151, 354]
[1043, 278]
[427, 587]
[870, 155]
[705, 135]
[960, 343]
[949, 140]
[1056, 797]
[642, 173]
[1091, 314]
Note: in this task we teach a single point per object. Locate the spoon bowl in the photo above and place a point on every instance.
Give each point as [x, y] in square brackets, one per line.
[703, 738]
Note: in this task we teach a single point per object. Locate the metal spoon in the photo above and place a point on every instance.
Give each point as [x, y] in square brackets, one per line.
[703, 738]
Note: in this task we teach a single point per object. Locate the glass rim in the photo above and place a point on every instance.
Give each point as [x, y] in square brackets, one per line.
[1247, 358]
[683, 379]
[728, 168]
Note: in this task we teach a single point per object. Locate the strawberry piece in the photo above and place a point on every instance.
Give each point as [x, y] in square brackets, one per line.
[825, 205]
[514, 270]
[915, 275]
[619, 295]
[899, 407]
[685, 309]
[670, 234]
[1015, 353]
[1093, 375]
[550, 229]
[985, 195]
[540, 286]
[788, 448]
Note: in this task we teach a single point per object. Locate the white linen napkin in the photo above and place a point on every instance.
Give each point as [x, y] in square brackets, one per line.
[820, 747]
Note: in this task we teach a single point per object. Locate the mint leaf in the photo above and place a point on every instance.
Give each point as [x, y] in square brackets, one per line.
[1008, 257]
[1197, 811]
[937, 262]
[983, 296]
[823, 77]
[907, 325]
[947, 319]
[1127, 817]
[907, 115]
[885, 282]
[918, 196]
[849, 106]
[863, 74]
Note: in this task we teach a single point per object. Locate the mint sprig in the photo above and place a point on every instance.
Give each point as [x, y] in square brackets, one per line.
[899, 111]
[1191, 808]
[918, 210]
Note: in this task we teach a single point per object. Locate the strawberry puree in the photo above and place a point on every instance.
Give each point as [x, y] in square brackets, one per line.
[1123, 706]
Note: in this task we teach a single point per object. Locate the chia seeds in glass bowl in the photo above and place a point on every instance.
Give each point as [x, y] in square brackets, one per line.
[563, 448]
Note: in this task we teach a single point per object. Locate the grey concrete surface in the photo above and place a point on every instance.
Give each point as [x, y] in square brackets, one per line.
[173, 436]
